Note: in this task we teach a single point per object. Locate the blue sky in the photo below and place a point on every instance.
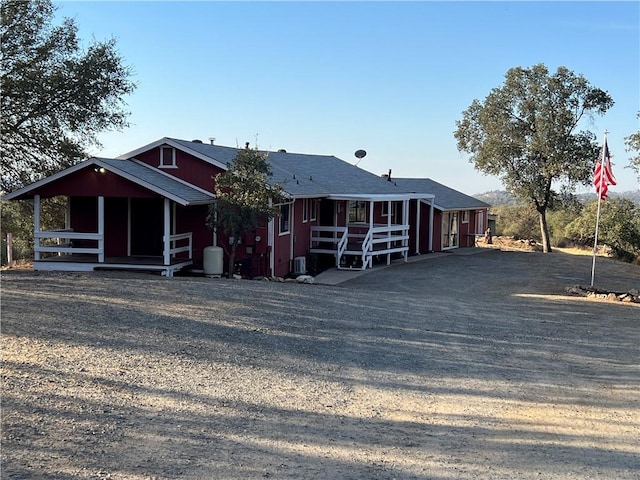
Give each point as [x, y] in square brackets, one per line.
[330, 78]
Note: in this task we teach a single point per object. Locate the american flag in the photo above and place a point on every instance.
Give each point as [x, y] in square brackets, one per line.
[603, 176]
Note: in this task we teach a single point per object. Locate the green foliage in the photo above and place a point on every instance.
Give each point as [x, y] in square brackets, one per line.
[55, 97]
[525, 133]
[633, 145]
[619, 226]
[245, 197]
[16, 217]
[517, 221]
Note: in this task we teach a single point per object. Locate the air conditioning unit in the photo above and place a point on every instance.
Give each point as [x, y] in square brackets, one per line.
[300, 265]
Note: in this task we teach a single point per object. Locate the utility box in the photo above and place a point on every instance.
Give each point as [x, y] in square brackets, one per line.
[213, 260]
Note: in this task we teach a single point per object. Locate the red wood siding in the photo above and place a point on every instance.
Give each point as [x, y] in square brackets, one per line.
[89, 183]
[189, 168]
[192, 219]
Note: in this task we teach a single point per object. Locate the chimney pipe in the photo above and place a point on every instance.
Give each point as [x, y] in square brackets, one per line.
[389, 176]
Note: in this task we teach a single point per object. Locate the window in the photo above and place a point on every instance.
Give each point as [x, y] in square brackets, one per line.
[465, 216]
[394, 209]
[357, 211]
[167, 157]
[284, 219]
[305, 210]
[449, 230]
[314, 209]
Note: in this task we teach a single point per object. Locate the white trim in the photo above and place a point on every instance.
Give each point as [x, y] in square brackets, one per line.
[292, 237]
[290, 209]
[380, 197]
[314, 210]
[166, 246]
[431, 215]
[270, 240]
[172, 177]
[172, 143]
[115, 170]
[305, 210]
[418, 227]
[128, 226]
[101, 229]
[162, 163]
[36, 227]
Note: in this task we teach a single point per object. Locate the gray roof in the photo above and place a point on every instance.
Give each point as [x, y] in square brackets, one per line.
[307, 175]
[445, 198]
[164, 184]
[134, 171]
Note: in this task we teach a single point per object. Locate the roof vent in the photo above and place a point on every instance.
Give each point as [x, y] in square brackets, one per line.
[212, 139]
[282, 150]
[196, 141]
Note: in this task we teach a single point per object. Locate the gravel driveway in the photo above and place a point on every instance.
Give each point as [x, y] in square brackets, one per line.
[455, 367]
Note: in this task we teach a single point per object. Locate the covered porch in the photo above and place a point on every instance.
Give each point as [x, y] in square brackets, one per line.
[70, 250]
[379, 234]
[119, 215]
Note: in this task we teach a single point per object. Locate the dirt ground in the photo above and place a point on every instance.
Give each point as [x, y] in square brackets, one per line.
[454, 367]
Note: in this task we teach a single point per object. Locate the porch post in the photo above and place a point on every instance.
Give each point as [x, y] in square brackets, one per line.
[389, 231]
[173, 222]
[292, 229]
[101, 229]
[128, 226]
[167, 232]
[418, 204]
[36, 227]
[67, 214]
[405, 221]
[431, 225]
[270, 241]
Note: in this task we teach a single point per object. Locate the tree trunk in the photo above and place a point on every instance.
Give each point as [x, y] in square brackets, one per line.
[544, 231]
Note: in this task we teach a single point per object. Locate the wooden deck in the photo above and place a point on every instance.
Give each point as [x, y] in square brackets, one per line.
[89, 262]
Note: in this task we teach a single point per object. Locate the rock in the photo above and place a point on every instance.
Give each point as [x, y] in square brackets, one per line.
[305, 279]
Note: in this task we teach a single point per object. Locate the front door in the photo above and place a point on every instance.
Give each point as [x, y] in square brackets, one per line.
[147, 226]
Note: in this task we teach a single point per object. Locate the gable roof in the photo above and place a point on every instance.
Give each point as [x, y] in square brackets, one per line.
[446, 198]
[139, 173]
[300, 175]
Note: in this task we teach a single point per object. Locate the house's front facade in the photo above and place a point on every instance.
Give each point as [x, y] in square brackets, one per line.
[148, 208]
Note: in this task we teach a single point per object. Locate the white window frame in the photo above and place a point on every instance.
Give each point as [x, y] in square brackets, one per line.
[305, 210]
[465, 216]
[358, 209]
[284, 220]
[313, 215]
[163, 161]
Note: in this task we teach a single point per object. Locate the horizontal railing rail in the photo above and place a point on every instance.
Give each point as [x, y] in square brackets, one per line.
[65, 239]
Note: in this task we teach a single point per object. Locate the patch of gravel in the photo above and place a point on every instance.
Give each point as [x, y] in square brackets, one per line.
[455, 367]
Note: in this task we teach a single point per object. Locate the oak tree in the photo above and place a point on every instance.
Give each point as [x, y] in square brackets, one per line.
[245, 198]
[527, 133]
[56, 95]
[633, 146]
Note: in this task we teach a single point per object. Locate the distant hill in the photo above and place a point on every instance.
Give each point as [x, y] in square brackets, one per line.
[501, 197]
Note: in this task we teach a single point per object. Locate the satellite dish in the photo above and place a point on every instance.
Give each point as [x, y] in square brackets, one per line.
[360, 154]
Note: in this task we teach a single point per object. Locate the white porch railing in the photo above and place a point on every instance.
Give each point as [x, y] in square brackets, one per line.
[352, 241]
[174, 249]
[64, 244]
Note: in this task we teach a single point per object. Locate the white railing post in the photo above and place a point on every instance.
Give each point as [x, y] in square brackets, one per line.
[36, 227]
[167, 232]
[101, 229]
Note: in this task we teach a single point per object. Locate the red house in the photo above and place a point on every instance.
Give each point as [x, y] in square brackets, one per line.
[147, 210]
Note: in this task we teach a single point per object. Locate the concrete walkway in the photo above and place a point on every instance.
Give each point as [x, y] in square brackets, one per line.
[334, 276]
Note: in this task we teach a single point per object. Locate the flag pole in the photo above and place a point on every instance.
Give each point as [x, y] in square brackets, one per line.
[595, 243]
